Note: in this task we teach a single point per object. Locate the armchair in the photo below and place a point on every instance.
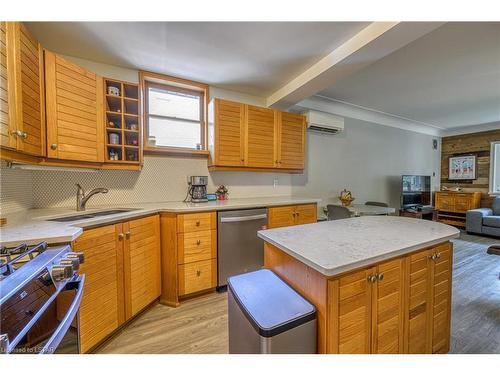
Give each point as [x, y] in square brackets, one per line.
[484, 220]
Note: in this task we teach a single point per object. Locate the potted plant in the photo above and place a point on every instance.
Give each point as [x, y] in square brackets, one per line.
[221, 192]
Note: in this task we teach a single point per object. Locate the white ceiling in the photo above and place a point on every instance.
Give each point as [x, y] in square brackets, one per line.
[253, 57]
[448, 78]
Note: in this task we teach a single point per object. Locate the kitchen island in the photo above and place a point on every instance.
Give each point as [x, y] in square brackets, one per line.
[380, 284]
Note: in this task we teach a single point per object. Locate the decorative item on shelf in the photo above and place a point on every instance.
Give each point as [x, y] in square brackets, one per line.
[198, 146]
[133, 126]
[456, 188]
[346, 197]
[152, 141]
[212, 197]
[462, 167]
[134, 142]
[114, 139]
[112, 90]
[113, 155]
[131, 156]
[112, 124]
[221, 192]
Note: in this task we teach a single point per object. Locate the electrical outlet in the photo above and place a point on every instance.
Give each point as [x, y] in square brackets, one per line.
[275, 183]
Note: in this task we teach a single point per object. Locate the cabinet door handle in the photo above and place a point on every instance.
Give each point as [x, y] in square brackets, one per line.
[380, 276]
[198, 242]
[438, 255]
[120, 236]
[198, 223]
[432, 257]
[127, 234]
[53, 146]
[372, 278]
[198, 273]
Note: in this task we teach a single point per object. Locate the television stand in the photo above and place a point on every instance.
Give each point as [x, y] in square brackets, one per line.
[424, 213]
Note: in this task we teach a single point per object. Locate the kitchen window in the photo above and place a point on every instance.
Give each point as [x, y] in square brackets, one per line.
[495, 168]
[174, 115]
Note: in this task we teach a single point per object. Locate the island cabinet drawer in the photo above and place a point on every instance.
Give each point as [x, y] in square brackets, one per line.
[196, 246]
[197, 276]
[196, 222]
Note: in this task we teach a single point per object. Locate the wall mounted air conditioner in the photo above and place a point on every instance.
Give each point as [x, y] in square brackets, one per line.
[324, 122]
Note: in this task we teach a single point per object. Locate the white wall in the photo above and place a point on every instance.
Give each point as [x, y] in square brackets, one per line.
[367, 159]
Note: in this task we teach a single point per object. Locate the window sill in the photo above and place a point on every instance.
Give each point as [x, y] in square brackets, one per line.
[173, 151]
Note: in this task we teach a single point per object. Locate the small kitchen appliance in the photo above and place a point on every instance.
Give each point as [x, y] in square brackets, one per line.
[198, 189]
[40, 295]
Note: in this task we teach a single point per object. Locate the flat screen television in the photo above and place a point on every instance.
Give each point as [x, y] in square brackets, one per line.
[416, 191]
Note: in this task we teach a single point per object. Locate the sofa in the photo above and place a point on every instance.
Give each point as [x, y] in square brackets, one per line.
[484, 220]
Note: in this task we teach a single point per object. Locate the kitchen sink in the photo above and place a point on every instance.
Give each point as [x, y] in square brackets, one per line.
[92, 215]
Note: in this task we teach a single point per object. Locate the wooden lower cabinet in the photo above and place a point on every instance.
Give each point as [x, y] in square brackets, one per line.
[189, 254]
[122, 275]
[369, 310]
[451, 206]
[402, 305]
[141, 263]
[101, 310]
[285, 216]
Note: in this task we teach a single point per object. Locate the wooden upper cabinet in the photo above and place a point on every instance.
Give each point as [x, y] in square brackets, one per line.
[6, 124]
[22, 107]
[229, 133]
[260, 137]
[74, 96]
[291, 141]
[247, 137]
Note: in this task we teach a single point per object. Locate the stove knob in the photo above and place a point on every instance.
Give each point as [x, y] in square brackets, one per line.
[73, 262]
[79, 256]
[62, 272]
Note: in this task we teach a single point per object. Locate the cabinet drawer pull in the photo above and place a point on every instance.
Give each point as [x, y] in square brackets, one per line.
[198, 242]
[198, 273]
[198, 223]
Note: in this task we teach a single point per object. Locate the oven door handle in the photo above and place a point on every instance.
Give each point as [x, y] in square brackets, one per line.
[63, 327]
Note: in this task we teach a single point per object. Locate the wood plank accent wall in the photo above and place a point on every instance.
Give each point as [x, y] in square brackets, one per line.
[477, 144]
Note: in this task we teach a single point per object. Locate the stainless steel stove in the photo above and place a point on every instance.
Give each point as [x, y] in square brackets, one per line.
[40, 295]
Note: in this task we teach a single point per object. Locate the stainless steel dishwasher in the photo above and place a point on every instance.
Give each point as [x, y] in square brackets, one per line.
[239, 248]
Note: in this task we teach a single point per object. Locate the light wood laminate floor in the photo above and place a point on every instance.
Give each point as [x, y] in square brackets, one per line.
[200, 325]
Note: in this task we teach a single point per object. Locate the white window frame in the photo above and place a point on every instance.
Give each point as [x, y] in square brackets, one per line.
[494, 168]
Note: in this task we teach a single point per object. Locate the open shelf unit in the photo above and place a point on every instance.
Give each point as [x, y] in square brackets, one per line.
[122, 121]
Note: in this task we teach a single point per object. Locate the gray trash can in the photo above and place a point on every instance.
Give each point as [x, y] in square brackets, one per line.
[267, 316]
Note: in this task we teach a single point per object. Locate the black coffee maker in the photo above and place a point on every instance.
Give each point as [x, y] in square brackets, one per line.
[198, 189]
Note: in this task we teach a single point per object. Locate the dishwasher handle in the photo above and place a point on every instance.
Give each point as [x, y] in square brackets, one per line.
[242, 218]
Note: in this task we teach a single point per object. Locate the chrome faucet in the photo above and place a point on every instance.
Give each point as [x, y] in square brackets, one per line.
[82, 198]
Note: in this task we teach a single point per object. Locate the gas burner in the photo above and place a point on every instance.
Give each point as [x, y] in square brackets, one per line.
[11, 259]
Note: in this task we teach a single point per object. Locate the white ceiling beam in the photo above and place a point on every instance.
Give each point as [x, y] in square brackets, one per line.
[374, 42]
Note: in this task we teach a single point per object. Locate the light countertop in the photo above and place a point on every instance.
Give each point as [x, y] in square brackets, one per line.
[334, 247]
[32, 226]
